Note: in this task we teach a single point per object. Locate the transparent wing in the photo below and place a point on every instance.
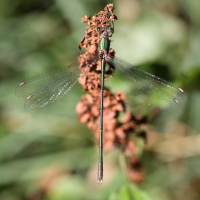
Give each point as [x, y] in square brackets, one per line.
[152, 89]
[29, 86]
[49, 87]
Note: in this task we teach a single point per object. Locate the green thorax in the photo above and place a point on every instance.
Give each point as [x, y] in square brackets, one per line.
[104, 44]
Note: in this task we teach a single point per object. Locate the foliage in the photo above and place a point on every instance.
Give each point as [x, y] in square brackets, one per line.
[46, 153]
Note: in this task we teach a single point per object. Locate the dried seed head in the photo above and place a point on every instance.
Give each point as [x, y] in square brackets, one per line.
[116, 133]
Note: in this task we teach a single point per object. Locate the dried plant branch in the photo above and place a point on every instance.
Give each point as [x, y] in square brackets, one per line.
[116, 133]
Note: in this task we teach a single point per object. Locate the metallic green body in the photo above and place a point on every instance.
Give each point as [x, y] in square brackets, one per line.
[104, 45]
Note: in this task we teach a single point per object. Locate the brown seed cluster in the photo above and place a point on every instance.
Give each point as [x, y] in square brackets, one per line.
[116, 133]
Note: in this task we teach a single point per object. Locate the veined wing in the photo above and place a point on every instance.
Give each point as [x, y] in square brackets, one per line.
[48, 87]
[152, 89]
[29, 86]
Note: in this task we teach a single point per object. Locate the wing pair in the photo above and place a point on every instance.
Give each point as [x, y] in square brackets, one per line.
[51, 86]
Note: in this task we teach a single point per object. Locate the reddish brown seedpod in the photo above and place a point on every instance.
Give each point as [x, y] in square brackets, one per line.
[135, 171]
[116, 133]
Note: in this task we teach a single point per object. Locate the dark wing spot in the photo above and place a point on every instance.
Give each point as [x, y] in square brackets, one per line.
[22, 83]
[176, 100]
[29, 97]
[181, 90]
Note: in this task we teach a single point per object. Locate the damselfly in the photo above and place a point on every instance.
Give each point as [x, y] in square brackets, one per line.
[47, 88]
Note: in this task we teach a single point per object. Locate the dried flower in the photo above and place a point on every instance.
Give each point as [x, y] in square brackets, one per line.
[116, 133]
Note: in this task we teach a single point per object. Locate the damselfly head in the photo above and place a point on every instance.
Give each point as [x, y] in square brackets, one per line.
[106, 27]
[105, 31]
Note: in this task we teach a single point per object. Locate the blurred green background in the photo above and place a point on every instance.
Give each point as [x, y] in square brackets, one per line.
[46, 154]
